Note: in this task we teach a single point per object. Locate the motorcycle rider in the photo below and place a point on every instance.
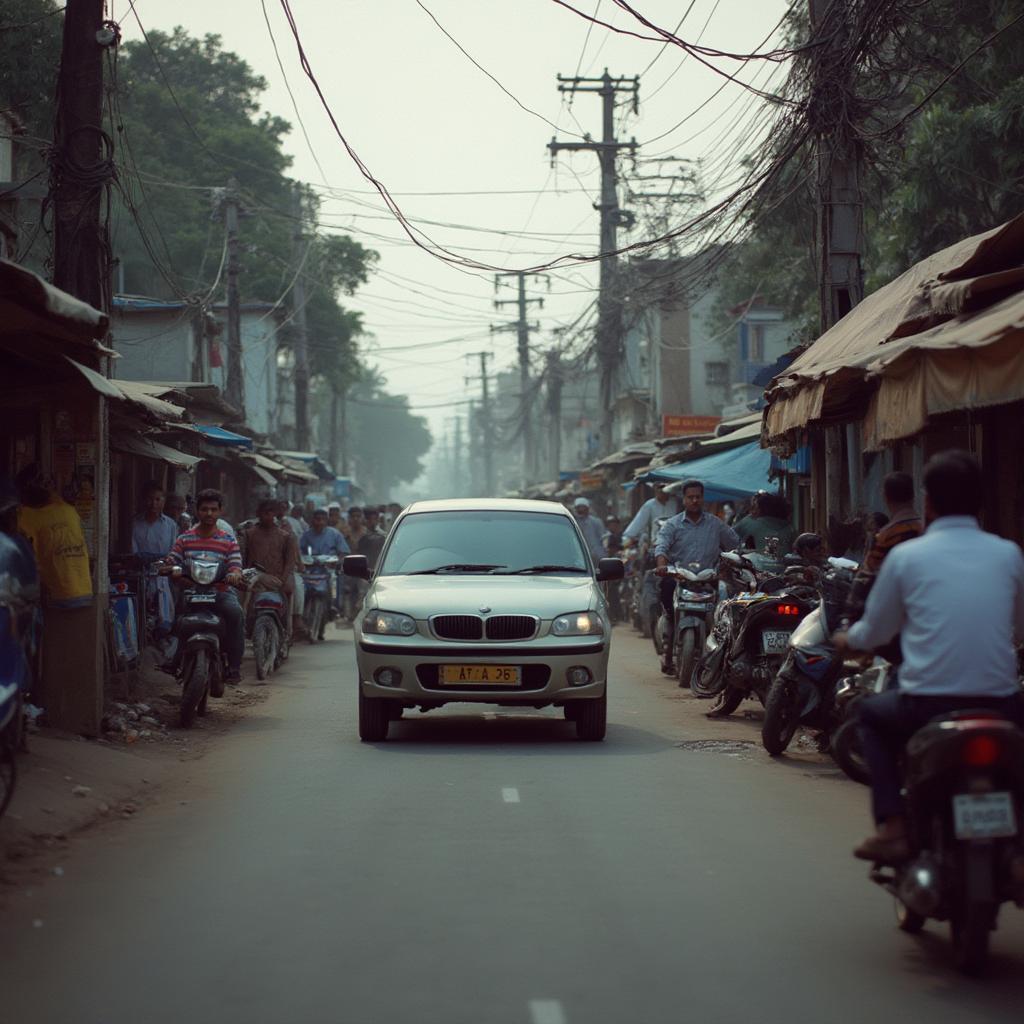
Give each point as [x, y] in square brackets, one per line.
[694, 537]
[644, 525]
[768, 517]
[206, 535]
[321, 539]
[275, 549]
[956, 595]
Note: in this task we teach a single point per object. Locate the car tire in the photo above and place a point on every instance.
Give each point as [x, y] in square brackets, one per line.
[592, 718]
[374, 718]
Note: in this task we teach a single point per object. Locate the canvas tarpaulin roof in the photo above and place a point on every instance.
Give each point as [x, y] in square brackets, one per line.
[947, 311]
[736, 473]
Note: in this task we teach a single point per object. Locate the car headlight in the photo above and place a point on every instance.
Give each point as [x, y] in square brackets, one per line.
[389, 623]
[577, 624]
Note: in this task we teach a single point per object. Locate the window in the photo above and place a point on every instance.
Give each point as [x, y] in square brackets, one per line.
[756, 351]
[717, 374]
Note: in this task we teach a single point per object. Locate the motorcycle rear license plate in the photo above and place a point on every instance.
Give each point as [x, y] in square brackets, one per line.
[480, 675]
[985, 816]
[775, 641]
[202, 598]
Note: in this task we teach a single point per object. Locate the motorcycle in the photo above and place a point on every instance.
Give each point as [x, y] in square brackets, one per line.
[693, 605]
[198, 660]
[964, 781]
[844, 741]
[316, 580]
[19, 629]
[803, 691]
[750, 631]
[268, 623]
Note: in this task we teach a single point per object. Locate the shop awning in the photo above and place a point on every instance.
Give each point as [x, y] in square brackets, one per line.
[262, 467]
[128, 391]
[727, 475]
[218, 435]
[944, 335]
[136, 444]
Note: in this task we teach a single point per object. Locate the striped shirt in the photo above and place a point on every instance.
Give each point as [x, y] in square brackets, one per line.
[220, 543]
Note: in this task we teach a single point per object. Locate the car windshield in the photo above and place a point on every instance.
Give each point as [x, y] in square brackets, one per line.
[485, 542]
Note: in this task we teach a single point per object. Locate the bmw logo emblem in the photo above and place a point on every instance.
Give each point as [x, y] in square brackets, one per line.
[484, 610]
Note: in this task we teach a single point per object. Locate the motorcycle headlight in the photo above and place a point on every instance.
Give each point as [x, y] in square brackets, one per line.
[389, 623]
[694, 595]
[577, 624]
[203, 572]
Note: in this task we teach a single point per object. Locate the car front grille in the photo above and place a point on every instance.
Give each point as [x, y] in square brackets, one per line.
[534, 677]
[458, 627]
[511, 627]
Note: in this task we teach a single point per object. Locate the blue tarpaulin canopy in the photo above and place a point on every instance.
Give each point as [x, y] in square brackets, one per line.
[736, 473]
[218, 435]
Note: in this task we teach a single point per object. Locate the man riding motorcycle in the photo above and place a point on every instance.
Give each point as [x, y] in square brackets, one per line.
[956, 596]
[693, 538]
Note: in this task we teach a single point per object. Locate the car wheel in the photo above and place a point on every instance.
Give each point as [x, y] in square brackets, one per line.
[374, 718]
[592, 718]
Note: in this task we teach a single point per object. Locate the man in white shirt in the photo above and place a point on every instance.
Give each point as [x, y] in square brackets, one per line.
[956, 596]
[591, 528]
[644, 525]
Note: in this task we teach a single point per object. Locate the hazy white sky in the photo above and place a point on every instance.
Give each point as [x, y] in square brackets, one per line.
[425, 120]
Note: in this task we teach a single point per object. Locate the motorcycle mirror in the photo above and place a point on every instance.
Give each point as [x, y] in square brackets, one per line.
[358, 566]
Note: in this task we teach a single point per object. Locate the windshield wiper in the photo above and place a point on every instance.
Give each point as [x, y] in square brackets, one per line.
[544, 568]
[458, 567]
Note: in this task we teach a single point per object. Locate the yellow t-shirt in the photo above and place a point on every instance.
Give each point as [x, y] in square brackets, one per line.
[55, 532]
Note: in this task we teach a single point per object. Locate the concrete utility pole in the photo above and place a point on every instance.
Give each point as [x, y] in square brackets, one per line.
[609, 318]
[457, 484]
[235, 381]
[80, 241]
[344, 431]
[554, 375]
[840, 218]
[522, 329]
[299, 321]
[486, 422]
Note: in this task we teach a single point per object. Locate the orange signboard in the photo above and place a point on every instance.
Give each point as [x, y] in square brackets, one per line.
[680, 426]
[591, 481]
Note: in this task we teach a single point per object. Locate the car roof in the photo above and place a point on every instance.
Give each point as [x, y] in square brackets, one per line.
[488, 505]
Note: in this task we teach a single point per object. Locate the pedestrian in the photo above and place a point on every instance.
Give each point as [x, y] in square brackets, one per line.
[153, 535]
[593, 533]
[372, 541]
[207, 536]
[294, 527]
[174, 508]
[613, 546]
[767, 525]
[54, 530]
[694, 539]
[644, 526]
[334, 517]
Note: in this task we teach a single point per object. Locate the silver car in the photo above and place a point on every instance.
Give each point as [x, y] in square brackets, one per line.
[483, 601]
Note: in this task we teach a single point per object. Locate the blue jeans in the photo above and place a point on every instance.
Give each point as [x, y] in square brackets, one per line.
[230, 611]
[888, 720]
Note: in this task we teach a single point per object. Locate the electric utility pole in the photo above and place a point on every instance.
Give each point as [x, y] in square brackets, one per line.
[522, 329]
[235, 384]
[457, 484]
[840, 217]
[554, 410]
[609, 317]
[299, 247]
[80, 166]
[486, 422]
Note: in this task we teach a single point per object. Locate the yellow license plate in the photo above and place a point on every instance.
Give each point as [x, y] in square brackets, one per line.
[480, 675]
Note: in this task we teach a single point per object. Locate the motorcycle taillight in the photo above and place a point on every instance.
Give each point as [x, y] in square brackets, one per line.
[787, 609]
[980, 751]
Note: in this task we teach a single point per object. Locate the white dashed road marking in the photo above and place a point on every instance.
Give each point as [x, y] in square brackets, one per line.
[510, 795]
[546, 1011]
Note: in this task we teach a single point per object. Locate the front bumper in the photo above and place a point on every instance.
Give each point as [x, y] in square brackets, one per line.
[544, 665]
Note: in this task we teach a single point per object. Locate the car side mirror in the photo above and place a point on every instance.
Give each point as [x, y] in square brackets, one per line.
[356, 565]
[610, 569]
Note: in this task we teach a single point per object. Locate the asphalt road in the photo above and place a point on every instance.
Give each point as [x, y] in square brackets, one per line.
[485, 870]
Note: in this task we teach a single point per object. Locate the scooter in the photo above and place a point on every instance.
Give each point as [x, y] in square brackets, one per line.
[316, 580]
[693, 605]
[802, 692]
[269, 630]
[19, 611]
[964, 781]
[198, 662]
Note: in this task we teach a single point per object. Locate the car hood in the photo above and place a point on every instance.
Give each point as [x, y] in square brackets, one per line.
[543, 596]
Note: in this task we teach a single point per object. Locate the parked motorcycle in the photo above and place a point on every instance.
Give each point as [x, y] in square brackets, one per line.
[316, 580]
[803, 691]
[844, 741]
[268, 623]
[19, 610]
[198, 661]
[964, 781]
[693, 604]
[751, 630]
